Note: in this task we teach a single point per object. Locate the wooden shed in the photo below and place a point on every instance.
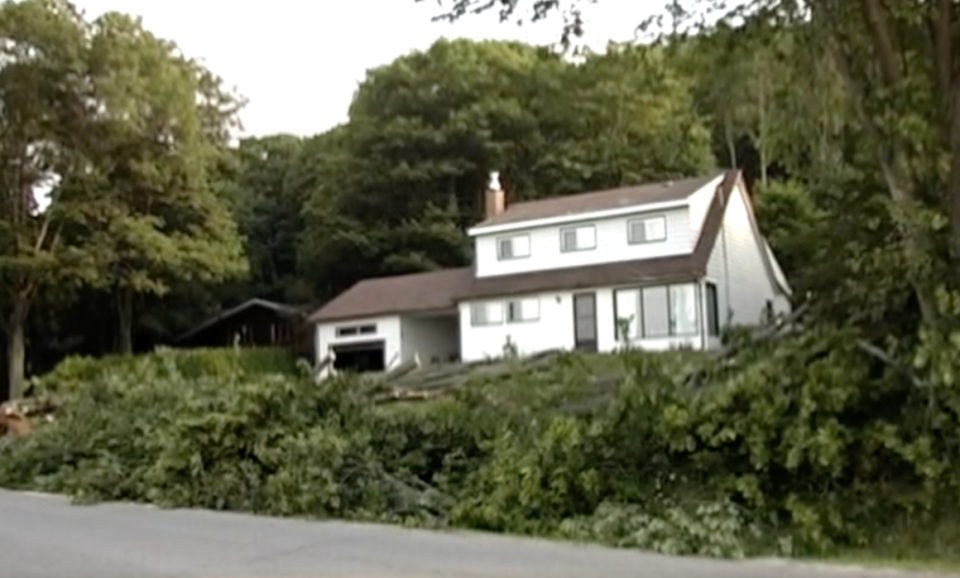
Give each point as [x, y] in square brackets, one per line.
[254, 323]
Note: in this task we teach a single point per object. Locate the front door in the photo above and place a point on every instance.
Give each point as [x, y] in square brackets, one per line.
[585, 321]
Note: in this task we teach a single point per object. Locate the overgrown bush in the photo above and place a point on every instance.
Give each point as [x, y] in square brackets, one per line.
[189, 363]
[794, 447]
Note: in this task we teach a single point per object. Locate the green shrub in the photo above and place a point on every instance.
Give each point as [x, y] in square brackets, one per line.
[189, 363]
[801, 446]
[713, 529]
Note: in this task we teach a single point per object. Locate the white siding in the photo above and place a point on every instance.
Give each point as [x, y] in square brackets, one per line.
[388, 330]
[434, 338]
[611, 245]
[699, 207]
[736, 265]
[782, 302]
[553, 330]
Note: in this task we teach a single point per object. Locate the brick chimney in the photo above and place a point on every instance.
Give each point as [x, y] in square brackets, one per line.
[495, 197]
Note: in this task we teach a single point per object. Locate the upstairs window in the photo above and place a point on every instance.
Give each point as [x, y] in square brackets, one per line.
[578, 238]
[514, 247]
[647, 230]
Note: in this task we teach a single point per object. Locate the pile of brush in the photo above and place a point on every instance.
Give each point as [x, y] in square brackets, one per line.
[17, 417]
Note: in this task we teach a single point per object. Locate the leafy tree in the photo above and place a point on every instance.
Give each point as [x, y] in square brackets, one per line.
[104, 118]
[906, 112]
[268, 202]
[152, 158]
[46, 107]
[627, 117]
[426, 130]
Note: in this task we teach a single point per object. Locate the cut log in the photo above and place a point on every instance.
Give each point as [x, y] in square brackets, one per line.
[400, 395]
[13, 420]
[725, 355]
[322, 365]
[404, 368]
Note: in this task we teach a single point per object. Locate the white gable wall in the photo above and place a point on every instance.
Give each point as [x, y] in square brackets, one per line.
[388, 330]
[699, 207]
[611, 245]
[737, 267]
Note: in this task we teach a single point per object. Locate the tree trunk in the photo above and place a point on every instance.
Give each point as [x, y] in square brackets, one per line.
[952, 121]
[763, 164]
[731, 140]
[17, 348]
[762, 134]
[125, 322]
[889, 155]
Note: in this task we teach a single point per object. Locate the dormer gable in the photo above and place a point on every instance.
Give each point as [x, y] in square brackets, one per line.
[629, 223]
[594, 205]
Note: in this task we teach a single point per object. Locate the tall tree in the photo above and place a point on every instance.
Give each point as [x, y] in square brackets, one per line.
[46, 105]
[898, 61]
[269, 192]
[153, 162]
[626, 116]
[426, 130]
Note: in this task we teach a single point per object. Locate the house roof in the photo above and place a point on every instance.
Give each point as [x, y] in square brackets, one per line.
[599, 201]
[443, 289]
[671, 268]
[280, 308]
[399, 294]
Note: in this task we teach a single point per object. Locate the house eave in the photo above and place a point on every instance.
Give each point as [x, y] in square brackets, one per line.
[322, 320]
[577, 217]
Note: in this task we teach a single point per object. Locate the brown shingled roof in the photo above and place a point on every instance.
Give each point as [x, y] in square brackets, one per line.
[443, 289]
[664, 269]
[399, 294]
[599, 200]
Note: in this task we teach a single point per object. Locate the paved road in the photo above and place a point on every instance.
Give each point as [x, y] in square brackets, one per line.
[44, 537]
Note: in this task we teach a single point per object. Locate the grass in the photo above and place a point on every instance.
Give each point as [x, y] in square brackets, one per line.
[911, 546]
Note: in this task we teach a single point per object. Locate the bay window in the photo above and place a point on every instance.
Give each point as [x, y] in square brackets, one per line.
[657, 311]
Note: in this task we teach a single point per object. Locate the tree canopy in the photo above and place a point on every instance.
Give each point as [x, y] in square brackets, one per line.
[104, 117]
[840, 116]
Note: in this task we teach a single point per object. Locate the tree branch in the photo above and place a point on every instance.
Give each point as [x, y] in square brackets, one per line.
[888, 153]
[881, 37]
[939, 23]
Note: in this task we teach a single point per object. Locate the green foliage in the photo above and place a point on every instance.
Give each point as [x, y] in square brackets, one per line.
[125, 124]
[797, 447]
[713, 529]
[404, 176]
[188, 363]
[533, 479]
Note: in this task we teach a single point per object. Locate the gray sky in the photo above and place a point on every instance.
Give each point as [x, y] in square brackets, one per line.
[298, 63]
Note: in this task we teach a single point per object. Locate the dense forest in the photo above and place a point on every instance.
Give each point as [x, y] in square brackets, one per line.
[154, 217]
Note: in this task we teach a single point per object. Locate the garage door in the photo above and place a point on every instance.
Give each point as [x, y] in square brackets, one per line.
[361, 357]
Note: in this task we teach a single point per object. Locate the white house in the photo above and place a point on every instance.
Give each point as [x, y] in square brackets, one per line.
[660, 266]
